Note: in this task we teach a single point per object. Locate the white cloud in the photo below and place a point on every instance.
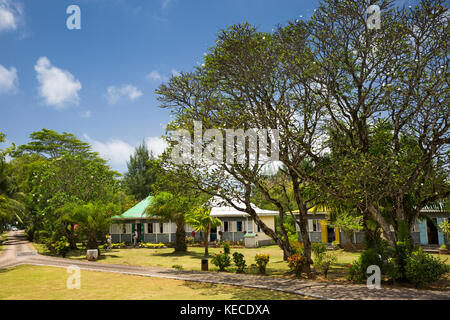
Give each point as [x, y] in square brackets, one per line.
[8, 80]
[58, 87]
[114, 94]
[11, 15]
[117, 152]
[156, 144]
[175, 73]
[155, 76]
[86, 114]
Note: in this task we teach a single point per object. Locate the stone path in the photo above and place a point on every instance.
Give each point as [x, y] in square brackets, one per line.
[18, 244]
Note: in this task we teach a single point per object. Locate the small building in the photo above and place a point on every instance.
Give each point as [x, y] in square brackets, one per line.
[149, 229]
[235, 224]
[425, 232]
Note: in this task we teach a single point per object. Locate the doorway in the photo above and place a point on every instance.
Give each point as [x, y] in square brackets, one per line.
[331, 234]
[432, 231]
[213, 235]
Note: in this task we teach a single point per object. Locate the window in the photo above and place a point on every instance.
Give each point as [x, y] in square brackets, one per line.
[315, 224]
[150, 228]
[161, 228]
[258, 229]
[239, 226]
[124, 229]
[225, 226]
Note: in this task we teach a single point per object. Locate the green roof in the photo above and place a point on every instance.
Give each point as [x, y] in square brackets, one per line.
[137, 212]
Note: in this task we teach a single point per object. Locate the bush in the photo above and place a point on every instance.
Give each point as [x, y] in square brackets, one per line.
[152, 245]
[357, 270]
[221, 260]
[261, 261]
[226, 247]
[62, 247]
[177, 266]
[318, 248]
[297, 263]
[297, 246]
[423, 268]
[324, 261]
[239, 261]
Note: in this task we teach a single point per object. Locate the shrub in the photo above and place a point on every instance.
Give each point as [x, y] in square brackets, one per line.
[62, 247]
[189, 240]
[318, 248]
[357, 270]
[177, 266]
[354, 271]
[298, 247]
[226, 247]
[324, 261]
[239, 261]
[297, 263]
[221, 260]
[153, 245]
[261, 261]
[423, 268]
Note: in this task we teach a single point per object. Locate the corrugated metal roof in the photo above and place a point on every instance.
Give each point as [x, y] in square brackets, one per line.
[136, 212]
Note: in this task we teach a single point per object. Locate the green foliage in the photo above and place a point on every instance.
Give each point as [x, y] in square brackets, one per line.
[358, 269]
[318, 248]
[324, 261]
[226, 247]
[445, 227]
[221, 260]
[423, 268]
[142, 173]
[62, 247]
[200, 219]
[152, 245]
[297, 263]
[177, 267]
[261, 261]
[238, 259]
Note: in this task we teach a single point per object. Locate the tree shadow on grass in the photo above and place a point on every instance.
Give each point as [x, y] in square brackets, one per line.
[240, 293]
[192, 254]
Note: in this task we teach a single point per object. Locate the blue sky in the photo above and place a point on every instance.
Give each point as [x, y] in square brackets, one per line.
[98, 82]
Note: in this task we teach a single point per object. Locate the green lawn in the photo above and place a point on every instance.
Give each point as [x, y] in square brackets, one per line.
[191, 260]
[49, 283]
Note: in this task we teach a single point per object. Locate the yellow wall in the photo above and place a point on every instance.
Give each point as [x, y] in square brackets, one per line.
[268, 221]
[324, 232]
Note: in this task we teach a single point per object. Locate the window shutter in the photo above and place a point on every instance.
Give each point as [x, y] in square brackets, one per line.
[156, 227]
[166, 227]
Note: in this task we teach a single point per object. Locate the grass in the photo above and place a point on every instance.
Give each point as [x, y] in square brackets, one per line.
[3, 236]
[191, 260]
[49, 283]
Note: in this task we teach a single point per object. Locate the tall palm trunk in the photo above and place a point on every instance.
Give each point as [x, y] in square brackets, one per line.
[207, 232]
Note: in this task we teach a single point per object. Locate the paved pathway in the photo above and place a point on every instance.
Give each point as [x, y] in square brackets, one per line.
[18, 252]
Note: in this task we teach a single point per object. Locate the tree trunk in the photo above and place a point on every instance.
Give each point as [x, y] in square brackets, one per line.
[180, 240]
[206, 240]
[303, 222]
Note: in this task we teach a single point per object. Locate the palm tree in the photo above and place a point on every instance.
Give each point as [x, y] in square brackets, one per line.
[169, 208]
[93, 219]
[200, 219]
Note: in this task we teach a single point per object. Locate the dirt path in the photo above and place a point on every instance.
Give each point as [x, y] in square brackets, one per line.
[18, 252]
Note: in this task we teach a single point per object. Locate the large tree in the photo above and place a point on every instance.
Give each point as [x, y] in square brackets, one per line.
[385, 96]
[141, 175]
